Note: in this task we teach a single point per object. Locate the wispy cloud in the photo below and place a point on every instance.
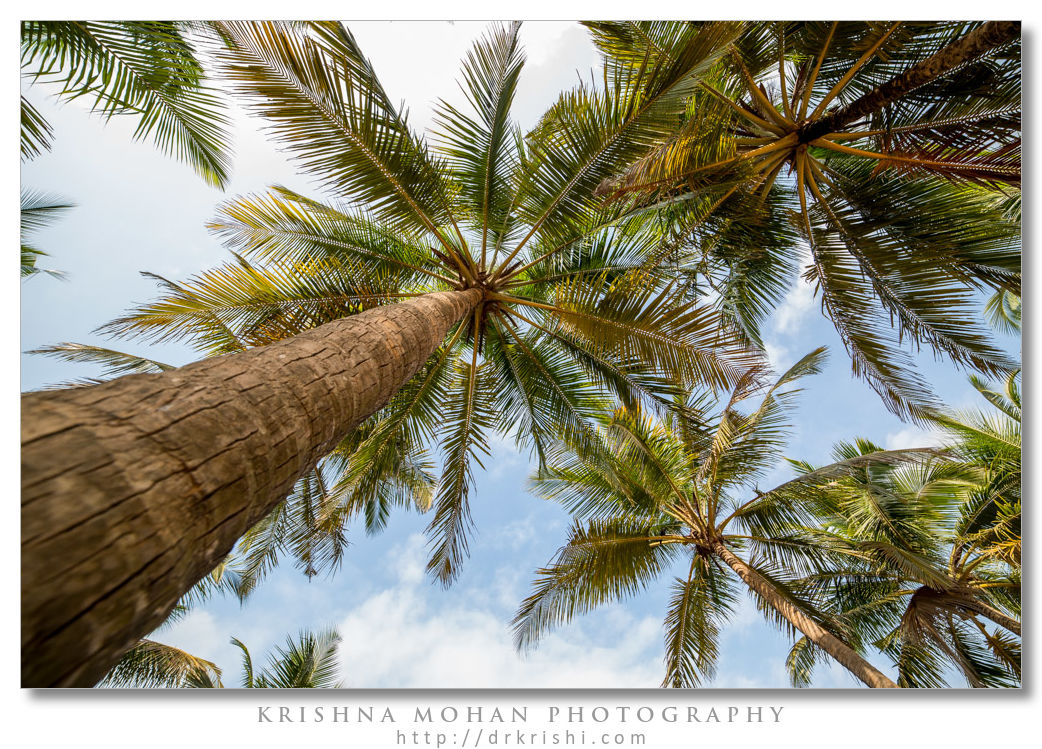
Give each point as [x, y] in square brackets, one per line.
[406, 637]
[790, 314]
[912, 436]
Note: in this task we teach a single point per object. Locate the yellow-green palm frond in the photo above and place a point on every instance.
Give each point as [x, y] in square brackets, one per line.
[326, 105]
[151, 664]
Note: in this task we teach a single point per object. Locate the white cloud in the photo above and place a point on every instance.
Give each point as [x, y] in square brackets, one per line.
[911, 436]
[406, 637]
[778, 356]
[790, 314]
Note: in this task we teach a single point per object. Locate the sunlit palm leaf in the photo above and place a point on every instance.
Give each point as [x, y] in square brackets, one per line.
[151, 664]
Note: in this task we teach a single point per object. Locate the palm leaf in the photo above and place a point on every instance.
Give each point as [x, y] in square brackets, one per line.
[147, 69]
[151, 664]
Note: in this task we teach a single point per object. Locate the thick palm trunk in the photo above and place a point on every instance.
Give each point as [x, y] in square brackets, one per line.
[134, 489]
[970, 47]
[828, 642]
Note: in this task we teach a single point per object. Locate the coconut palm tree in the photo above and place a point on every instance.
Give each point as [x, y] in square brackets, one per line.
[682, 491]
[895, 147]
[153, 665]
[477, 286]
[923, 554]
[144, 69]
[308, 662]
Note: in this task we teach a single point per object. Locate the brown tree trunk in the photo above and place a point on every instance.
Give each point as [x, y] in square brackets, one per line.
[817, 634]
[134, 489]
[970, 47]
[977, 607]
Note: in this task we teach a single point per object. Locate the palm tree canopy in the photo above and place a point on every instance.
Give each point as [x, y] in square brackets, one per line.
[576, 307]
[925, 550]
[659, 493]
[894, 146]
[307, 662]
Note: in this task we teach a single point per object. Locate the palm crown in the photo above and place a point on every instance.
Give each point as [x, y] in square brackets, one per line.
[570, 303]
[682, 491]
[895, 147]
[928, 555]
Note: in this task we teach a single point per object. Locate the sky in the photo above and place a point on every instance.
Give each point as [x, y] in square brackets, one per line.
[137, 210]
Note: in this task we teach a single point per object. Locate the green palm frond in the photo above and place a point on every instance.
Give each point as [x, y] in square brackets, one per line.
[308, 662]
[114, 363]
[601, 563]
[699, 606]
[468, 416]
[249, 678]
[147, 69]
[38, 211]
[283, 226]
[800, 662]
[382, 466]
[37, 133]
[328, 108]
[1003, 311]
[480, 147]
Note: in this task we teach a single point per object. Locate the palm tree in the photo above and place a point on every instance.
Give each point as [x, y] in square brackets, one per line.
[308, 662]
[924, 554]
[144, 69]
[480, 286]
[677, 491]
[895, 146]
[153, 665]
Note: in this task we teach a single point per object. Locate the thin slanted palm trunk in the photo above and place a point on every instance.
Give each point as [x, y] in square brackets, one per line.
[970, 47]
[828, 642]
[134, 489]
[978, 607]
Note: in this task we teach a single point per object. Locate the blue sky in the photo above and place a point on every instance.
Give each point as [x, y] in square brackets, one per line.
[138, 210]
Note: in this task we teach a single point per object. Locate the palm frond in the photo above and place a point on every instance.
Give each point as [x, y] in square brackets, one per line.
[698, 607]
[147, 69]
[151, 664]
[326, 105]
[601, 563]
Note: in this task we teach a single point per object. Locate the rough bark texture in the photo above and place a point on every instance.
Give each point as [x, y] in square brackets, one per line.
[817, 634]
[970, 47]
[134, 489]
